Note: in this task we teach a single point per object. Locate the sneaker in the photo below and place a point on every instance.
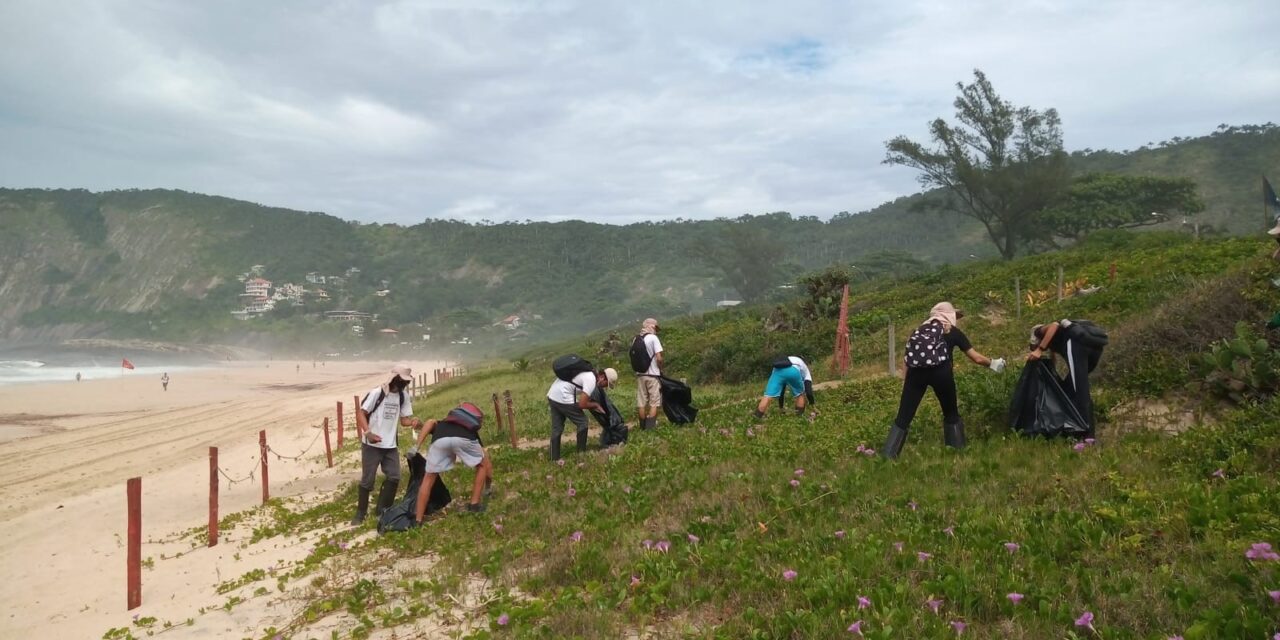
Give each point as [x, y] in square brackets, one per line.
[476, 508]
[357, 520]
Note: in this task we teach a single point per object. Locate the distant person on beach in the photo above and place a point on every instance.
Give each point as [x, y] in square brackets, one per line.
[456, 437]
[646, 362]
[928, 363]
[164, 381]
[77, 376]
[570, 399]
[792, 373]
[382, 411]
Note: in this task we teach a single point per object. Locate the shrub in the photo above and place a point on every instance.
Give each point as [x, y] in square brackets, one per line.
[1243, 369]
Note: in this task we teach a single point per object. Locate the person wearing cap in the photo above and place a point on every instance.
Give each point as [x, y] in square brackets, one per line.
[456, 437]
[381, 413]
[792, 373]
[928, 365]
[648, 389]
[569, 399]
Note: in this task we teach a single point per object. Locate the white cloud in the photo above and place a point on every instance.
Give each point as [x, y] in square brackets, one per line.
[610, 111]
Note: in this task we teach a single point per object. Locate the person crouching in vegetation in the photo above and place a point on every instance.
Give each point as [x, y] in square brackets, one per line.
[788, 373]
[928, 364]
[1080, 342]
[810, 400]
[568, 399]
[457, 436]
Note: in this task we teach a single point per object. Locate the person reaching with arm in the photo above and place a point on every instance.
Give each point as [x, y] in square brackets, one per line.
[1080, 343]
[456, 437]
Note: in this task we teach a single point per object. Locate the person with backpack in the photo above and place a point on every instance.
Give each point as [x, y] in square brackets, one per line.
[1080, 342]
[792, 373]
[381, 412]
[646, 362]
[570, 395]
[456, 437]
[928, 363]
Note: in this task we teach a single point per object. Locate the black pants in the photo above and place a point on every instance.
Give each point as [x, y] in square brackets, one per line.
[1081, 361]
[943, 382]
[808, 395]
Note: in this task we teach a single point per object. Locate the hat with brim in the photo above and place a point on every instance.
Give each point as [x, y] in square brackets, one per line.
[403, 371]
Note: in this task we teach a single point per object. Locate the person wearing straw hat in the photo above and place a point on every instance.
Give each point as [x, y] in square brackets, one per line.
[928, 365]
[382, 411]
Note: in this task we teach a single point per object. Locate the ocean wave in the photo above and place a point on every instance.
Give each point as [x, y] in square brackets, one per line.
[20, 364]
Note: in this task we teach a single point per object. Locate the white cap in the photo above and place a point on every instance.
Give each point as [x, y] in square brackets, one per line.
[611, 375]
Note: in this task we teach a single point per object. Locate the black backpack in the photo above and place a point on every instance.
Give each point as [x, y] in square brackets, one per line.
[640, 358]
[568, 366]
[927, 346]
[381, 396]
[1088, 333]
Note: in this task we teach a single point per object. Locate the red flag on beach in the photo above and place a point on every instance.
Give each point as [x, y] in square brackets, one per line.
[124, 363]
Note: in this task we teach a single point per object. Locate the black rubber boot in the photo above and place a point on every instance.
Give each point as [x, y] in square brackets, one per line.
[387, 496]
[582, 441]
[649, 423]
[953, 434]
[362, 507]
[893, 444]
[555, 449]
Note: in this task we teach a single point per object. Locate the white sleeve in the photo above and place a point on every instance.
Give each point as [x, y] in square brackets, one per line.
[370, 400]
[406, 408]
[588, 382]
[657, 345]
[804, 368]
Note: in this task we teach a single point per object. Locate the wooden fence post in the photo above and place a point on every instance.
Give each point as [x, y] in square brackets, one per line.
[328, 451]
[133, 490]
[262, 447]
[339, 424]
[1113, 273]
[511, 414]
[213, 496]
[1017, 295]
[893, 361]
[1059, 283]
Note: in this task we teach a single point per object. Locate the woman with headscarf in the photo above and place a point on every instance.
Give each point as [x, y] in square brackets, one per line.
[928, 364]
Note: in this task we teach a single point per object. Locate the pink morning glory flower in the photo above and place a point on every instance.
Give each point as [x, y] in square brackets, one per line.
[897, 546]
[662, 546]
[1089, 440]
[840, 535]
[860, 448]
[1275, 596]
[1219, 474]
[1079, 446]
[694, 539]
[958, 626]
[503, 620]
[572, 492]
[799, 472]
[934, 604]
[922, 556]
[560, 462]
[576, 536]
[1012, 547]
[1015, 597]
[635, 581]
[856, 628]
[626, 489]
[648, 544]
[913, 505]
[795, 483]
[1086, 620]
[342, 545]
[864, 602]
[497, 527]
[789, 575]
[951, 531]
[868, 452]
[1261, 551]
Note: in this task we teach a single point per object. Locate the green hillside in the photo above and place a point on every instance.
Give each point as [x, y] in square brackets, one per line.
[164, 264]
[793, 529]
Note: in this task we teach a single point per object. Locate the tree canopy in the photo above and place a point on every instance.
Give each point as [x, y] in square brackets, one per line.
[1112, 201]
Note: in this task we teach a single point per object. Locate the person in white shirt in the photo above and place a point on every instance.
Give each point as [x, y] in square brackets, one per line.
[807, 375]
[788, 373]
[648, 389]
[381, 413]
[567, 400]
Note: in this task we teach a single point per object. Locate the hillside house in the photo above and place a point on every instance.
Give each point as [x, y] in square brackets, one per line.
[257, 288]
[511, 322]
[315, 278]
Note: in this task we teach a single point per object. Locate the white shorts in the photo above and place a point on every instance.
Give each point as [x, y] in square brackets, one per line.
[441, 455]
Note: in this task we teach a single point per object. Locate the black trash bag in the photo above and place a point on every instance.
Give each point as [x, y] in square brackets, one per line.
[399, 516]
[677, 401]
[614, 427]
[1041, 407]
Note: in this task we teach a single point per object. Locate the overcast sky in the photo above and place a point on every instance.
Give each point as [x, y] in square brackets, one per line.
[596, 110]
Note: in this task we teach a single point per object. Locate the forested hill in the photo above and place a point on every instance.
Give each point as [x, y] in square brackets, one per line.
[164, 264]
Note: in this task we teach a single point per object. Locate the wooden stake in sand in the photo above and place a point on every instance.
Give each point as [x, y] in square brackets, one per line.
[213, 496]
[511, 415]
[134, 555]
[262, 447]
[339, 424]
[328, 451]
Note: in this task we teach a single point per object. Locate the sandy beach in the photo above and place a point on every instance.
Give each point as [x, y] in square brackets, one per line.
[68, 448]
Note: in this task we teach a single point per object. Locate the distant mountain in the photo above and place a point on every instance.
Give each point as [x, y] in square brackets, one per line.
[162, 264]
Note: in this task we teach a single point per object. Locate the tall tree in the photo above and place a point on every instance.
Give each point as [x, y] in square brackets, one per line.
[1112, 201]
[1000, 165]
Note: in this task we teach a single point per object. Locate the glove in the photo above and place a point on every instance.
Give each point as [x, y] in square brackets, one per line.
[413, 451]
[997, 365]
